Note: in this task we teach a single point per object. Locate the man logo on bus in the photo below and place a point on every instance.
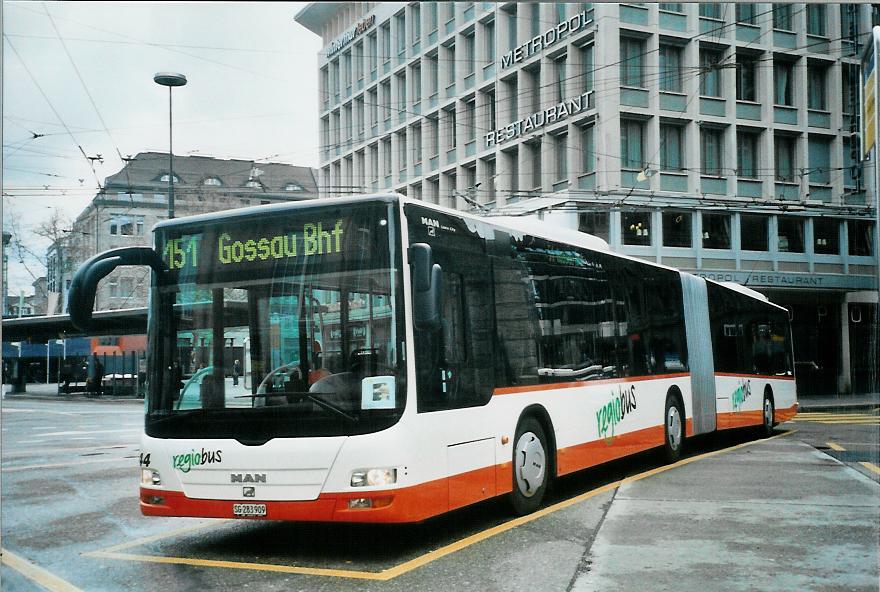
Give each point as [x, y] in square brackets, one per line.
[741, 394]
[612, 413]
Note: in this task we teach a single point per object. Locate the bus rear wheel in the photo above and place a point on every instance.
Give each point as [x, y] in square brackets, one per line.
[673, 429]
[530, 463]
[768, 413]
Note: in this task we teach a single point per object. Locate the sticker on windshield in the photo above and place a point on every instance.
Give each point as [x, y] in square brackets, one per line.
[377, 392]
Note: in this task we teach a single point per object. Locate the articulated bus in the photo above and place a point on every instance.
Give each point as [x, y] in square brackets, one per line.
[401, 360]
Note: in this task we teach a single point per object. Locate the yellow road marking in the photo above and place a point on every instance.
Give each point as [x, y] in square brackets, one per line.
[834, 446]
[871, 467]
[36, 574]
[402, 568]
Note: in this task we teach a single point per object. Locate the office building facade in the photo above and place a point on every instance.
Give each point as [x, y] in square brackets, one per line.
[717, 138]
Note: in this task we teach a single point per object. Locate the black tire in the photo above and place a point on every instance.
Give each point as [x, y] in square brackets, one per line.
[673, 429]
[531, 465]
[767, 411]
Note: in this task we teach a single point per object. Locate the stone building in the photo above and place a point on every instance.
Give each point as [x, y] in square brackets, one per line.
[134, 199]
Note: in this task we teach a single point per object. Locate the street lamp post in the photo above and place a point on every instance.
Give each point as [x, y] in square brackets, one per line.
[170, 79]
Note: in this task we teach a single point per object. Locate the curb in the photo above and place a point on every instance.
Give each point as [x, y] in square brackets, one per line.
[838, 407]
[36, 397]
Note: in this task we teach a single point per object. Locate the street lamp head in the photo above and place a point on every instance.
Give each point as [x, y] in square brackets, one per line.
[169, 79]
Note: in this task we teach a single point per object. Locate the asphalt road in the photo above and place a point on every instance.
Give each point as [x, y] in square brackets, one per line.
[70, 519]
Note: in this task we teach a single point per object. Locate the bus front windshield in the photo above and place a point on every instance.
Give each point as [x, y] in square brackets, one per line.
[278, 327]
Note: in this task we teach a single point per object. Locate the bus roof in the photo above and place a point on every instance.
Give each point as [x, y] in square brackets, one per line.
[519, 224]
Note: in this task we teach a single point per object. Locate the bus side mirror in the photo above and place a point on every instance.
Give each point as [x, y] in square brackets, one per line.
[81, 298]
[427, 287]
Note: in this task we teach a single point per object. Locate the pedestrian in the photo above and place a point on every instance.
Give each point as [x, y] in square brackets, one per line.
[236, 372]
[96, 375]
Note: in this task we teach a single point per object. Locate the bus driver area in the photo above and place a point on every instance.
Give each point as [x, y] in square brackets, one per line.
[576, 512]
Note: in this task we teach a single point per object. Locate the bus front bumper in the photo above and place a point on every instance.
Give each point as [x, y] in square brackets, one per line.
[411, 504]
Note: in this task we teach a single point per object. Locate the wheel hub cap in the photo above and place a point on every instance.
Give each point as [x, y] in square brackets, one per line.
[530, 464]
[673, 428]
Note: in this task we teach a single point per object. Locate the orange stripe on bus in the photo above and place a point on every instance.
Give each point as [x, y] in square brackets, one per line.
[510, 390]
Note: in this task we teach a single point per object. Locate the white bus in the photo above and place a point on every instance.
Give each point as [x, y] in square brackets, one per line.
[405, 360]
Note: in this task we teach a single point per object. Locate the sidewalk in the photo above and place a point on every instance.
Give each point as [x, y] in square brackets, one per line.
[50, 392]
[865, 402]
[775, 515]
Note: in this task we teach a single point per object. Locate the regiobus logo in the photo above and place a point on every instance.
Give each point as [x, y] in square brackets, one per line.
[741, 394]
[622, 403]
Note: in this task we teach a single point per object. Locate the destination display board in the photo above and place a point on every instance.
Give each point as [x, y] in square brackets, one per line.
[283, 244]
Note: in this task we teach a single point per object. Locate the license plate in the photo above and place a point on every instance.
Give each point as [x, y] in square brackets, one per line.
[248, 509]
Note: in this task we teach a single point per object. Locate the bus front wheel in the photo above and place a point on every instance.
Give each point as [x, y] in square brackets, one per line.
[767, 425]
[673, 429]
[530, 463]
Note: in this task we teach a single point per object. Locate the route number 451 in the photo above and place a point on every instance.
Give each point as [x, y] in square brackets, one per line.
[145, 459]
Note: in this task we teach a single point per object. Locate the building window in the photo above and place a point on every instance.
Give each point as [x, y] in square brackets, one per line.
[753, 231]
[745, 77]
[849, 81]
[860, 237]
[400, 27]
[745, 13]
[432, 17]
[631, 59]
[535, 18]
[470, 120]
[416, 135]
[791, 234]
[670, 68]
[816, 19]
[559, 68]
[671, 147]
[747, 154]
[819, 149]
[851, 166]
[636, 228]
[676, 229]
[671, 6]
[416, 20]
[710, 75]
[489, 36]
[631, 144]
[126, 287]
[587, 66]
[293, 187]
[561, 144]
[711, 151]
[213, 181]
[816, 95]
[594, 223]
[469, 54]
[716, 231]
[385, 31]
[511, 27]
[785, 161]
[587, 150]
[783, 82]
[253, 184]
[710, 10]
[535, 156]
[782, 17]
[164, 178]
[826, 236]
[113, 287]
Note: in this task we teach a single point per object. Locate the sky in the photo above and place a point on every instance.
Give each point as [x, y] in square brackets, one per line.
[78, 82]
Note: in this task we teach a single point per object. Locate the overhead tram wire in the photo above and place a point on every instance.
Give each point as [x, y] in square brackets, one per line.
[86, 89]
[51, 106]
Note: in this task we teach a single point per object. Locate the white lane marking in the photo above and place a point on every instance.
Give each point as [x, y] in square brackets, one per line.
[78, 432]
[31, 441]
[131, 461]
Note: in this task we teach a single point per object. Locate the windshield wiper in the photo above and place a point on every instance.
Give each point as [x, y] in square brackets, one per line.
[311, 397]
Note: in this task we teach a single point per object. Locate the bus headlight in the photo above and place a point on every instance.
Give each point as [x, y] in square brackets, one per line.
[365, 477]
[150, 477]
